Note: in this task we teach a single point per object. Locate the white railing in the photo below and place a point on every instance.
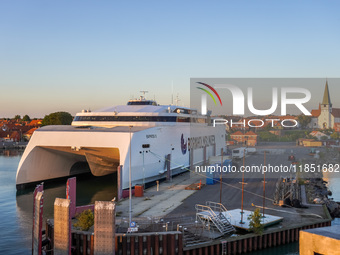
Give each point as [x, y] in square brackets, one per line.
[205, 213]
[217, 207]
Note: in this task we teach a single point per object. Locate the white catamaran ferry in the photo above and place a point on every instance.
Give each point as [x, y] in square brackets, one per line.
[102, 139]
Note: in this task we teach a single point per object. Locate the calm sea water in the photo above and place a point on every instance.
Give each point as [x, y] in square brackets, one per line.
[16, 210]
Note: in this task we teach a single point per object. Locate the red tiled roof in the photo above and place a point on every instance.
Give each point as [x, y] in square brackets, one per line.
[251, 133]
[316, 113]
[30, 132]
[316, 133]
[35, 122]
[237, 133]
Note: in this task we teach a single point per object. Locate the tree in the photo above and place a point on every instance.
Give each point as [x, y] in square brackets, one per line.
[26, 118]
[57, 118]
[17, 117]
[335, 135]
[85, 220]
[255, 222]
[304, 120]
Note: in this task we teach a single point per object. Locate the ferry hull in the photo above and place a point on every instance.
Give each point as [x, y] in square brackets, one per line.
[54, 152]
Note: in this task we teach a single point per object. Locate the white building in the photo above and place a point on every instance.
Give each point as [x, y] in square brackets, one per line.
[326, 116]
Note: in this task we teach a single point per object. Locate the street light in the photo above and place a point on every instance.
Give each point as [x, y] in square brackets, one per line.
[130, 188]
[244, 155]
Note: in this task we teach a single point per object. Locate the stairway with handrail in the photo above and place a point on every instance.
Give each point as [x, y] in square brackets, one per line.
[211, 215]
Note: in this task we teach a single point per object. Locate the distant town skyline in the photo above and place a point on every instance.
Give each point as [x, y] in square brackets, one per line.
[69, 56]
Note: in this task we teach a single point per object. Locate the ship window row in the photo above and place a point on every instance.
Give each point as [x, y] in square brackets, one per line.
[141, 103]
[140, 118]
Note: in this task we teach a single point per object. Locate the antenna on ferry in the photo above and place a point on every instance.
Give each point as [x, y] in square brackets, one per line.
[144, 92]
[177, 99]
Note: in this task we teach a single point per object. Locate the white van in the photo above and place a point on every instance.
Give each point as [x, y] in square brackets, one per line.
[239, 152]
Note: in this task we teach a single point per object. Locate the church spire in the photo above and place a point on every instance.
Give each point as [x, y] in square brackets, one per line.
[326, 98]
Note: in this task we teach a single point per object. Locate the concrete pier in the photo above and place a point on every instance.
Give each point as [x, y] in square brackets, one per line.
[62, 227]
[172, 200]
[104, 228]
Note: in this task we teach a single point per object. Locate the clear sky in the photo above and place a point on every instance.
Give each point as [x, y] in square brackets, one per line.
[73, 55]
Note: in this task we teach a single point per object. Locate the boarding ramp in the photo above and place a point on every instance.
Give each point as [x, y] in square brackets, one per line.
[212, 217]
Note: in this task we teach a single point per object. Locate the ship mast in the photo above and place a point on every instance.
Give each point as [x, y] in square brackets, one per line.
[144, 92]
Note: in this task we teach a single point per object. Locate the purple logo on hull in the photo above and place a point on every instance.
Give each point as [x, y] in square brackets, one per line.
[183, 145]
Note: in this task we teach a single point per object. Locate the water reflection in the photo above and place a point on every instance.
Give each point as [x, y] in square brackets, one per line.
[10, 153]
[89, 190]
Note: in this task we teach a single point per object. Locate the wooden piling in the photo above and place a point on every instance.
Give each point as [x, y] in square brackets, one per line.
[140, 245]
[171, 243]
[234, 248]
[265, 237]
[228, 247]
[165, 246]
[288, 236]
[255, 243]
[274, 239]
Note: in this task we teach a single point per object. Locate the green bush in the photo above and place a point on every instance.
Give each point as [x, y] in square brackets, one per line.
[255, 224]
[85, 220]
[57, 118]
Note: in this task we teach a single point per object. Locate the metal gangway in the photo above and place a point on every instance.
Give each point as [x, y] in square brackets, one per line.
[212, 216]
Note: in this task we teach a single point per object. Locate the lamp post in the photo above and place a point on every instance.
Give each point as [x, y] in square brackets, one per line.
[130, 188]
[241, 221]
[264, 187]
[221, 176]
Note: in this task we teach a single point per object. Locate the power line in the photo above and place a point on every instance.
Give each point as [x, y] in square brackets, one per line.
[224, 183]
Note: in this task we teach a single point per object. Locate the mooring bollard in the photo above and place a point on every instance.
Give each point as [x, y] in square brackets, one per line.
[38, 188]
[71, 189]
[37, 223]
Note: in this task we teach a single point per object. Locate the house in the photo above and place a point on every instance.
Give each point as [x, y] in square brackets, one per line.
[318, 135]
[29, 133]
[15, 136]
[35, 123]
[337, 127]
[248, 139]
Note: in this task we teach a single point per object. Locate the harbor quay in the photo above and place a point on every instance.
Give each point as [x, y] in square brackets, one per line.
[173, 200]
[166, 215]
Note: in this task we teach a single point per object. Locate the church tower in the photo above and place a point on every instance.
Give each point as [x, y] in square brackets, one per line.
[325, 118]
